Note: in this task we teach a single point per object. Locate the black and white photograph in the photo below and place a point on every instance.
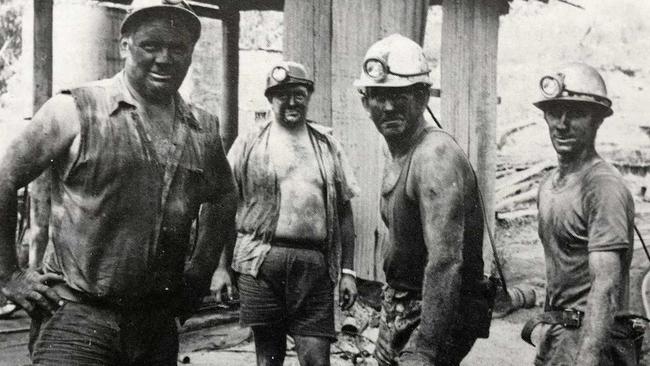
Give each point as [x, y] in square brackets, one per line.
[324, 182]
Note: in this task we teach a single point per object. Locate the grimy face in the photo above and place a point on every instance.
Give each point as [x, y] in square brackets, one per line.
[290, 105]
[395, 112]
[572, 127]
[157, 54]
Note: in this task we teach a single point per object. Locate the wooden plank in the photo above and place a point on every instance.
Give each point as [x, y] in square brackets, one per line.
[510, 202]
[307, 39]
[514, 189]
[352, 35]
[468, 83]
[230, 45]
[512, 179]
[42, 65]
[512, 215]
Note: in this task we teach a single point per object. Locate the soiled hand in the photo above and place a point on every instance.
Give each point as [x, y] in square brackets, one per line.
[29, 290]
[221, 280]
[347, 291]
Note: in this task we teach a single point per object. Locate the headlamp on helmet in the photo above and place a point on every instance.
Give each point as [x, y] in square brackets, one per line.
[553, 87]
[287, 73]
[394, 61]
[575, 82]
[378, 70]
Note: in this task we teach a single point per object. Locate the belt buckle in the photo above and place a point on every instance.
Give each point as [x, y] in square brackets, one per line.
[571, 318]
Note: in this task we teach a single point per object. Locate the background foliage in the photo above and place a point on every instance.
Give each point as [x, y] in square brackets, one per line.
[10, 39]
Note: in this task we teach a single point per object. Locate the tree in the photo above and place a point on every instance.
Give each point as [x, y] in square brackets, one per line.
[10, 39]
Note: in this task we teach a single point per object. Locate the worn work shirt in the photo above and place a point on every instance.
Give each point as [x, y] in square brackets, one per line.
[121, 214]
[259, 195]
[593, 211]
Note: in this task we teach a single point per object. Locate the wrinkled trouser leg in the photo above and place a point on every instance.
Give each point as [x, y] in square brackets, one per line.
[80, 334]
[398, 329]
[559, 347]
[400, 316]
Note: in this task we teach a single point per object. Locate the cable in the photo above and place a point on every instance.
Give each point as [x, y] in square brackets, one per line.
[434, 118]
[645, 249]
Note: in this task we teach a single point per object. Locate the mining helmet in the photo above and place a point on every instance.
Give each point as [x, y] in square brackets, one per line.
[144, 9]
[394, 61]
[287, 73]
[575, 82]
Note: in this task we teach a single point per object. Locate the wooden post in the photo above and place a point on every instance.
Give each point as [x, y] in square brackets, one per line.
[42, 66]
[352, 35]
[307, 39]
[229, 118]
[470, 31]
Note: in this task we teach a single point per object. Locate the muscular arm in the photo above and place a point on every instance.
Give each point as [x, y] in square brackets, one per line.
[47, 138]
[606, 271]
[438, 188]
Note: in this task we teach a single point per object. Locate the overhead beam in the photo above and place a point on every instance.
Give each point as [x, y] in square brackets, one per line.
[207, 12]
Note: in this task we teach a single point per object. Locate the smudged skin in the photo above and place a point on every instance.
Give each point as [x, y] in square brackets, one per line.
[572, 130]
[442, 181]
[48, 137]
[302, 216]
[158, 54]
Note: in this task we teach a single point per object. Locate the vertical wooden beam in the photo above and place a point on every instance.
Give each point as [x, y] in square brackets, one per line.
[470, 31]
[42, 66]
[229, 119]
[352, 35]
[307, 39]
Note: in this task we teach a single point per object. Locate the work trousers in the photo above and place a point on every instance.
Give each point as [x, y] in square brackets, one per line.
[84, 335]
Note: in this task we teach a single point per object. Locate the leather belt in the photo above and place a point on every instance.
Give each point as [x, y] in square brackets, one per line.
[568, 318]
[309, 244]
[117, 303]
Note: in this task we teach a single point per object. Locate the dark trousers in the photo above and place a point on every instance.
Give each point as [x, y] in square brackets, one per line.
[81, 334]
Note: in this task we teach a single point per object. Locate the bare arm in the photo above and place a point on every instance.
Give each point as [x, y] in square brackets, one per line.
[347, 285]
[47, 138]
[347, 236]
[439, 192]
[602, 302]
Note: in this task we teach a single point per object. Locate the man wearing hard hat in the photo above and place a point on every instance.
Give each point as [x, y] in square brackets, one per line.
[131, 165]
[586, 224]
[434, 303]
[295, 234]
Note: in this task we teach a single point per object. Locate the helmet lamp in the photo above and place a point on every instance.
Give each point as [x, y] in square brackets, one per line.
[375, 69]
[279, 74]
[551, 86]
